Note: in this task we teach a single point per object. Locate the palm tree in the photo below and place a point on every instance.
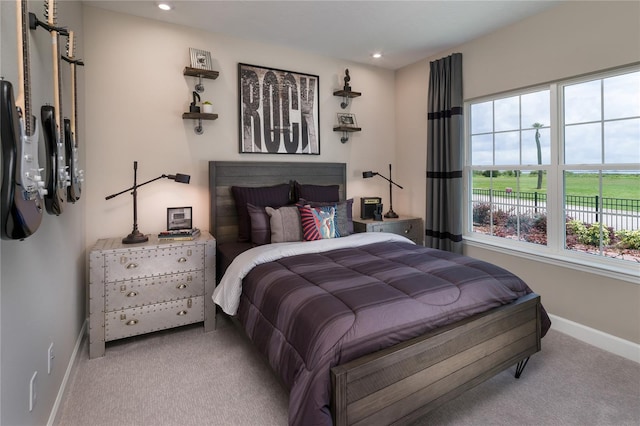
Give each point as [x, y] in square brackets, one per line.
[537, 126]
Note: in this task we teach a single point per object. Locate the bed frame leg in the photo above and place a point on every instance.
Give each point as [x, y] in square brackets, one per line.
[520, 367]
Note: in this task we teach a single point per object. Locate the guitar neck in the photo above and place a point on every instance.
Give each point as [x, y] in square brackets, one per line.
[74, 86]
[50, 12]
[57, 95]
[23, 99]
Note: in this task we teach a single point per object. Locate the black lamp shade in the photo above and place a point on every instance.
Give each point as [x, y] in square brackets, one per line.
[180, 178]
[367, 174]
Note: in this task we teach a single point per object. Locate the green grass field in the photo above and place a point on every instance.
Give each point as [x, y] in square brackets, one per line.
[614, 186]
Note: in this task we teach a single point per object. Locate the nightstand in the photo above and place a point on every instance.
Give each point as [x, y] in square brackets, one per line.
[140, 288]
[410, 227]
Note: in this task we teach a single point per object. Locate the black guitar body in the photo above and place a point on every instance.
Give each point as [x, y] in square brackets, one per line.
[20, 217]
[73, 190]
[55, 198]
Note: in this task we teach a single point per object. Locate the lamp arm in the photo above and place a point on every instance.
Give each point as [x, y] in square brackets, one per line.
[134, 187]
[388, 180]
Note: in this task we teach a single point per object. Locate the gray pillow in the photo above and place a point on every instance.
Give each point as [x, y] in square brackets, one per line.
[285, 224]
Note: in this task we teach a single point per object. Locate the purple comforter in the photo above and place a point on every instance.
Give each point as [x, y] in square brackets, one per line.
[311, 312]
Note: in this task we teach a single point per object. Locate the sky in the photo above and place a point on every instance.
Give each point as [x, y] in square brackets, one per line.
[601, 124]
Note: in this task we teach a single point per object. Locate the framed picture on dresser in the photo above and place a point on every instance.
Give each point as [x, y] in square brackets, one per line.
[279, 111]
[179, 218]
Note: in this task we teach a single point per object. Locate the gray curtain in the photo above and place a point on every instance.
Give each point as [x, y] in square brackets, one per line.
[443, 225]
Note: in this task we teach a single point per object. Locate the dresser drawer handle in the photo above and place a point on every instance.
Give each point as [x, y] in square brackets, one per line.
[132, 266]
[182, 260]
[132, 322]
[182, 313]
[181, 286]
[132, 294]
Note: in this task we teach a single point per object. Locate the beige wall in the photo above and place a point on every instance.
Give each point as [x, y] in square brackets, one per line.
[137, 94]
[572, 39]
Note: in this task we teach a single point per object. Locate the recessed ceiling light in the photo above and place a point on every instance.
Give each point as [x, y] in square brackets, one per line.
[164, 6]
[377, 55]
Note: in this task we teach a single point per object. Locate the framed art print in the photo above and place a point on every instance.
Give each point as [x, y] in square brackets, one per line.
[179, 218]
[279, 111]
[200, 59]
[347, 120]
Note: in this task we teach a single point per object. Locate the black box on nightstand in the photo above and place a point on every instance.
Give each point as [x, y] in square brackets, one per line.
[368, 206]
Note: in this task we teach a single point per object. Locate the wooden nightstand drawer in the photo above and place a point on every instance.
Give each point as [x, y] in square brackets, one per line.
[145, 319]
[145, 263]
[147, 291]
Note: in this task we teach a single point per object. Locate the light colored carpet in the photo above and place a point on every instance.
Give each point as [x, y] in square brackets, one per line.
[186, 377]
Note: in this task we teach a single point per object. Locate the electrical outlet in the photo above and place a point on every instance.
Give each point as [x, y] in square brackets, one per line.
[32, 391]
[50, 358]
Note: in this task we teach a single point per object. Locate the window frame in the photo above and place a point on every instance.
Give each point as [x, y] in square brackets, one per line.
[554, 251]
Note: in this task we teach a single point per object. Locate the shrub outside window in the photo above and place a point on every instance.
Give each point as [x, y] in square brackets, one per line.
[558, 167]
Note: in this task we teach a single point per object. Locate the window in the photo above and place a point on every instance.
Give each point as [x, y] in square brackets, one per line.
[556, 169]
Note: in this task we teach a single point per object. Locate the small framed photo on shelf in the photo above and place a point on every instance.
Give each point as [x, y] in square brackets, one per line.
[179, 218]
[200, 59]
[347, 120]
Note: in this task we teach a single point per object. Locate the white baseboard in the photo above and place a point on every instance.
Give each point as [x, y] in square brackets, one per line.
[597, 338]
[67, 374]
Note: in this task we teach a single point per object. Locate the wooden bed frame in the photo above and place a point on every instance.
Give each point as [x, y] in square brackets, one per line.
[401, 383]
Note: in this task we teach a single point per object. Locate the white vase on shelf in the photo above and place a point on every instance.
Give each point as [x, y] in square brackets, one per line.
[207, 108]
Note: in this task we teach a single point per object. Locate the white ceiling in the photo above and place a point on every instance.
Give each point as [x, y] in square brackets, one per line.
[404, 31]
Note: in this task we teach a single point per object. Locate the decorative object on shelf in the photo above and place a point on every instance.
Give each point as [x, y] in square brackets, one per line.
[136, 236]
[207, 107]
[347, 79]
[347, 120]
[346, 93]
[179, 218]
[346, 123]
[200, 59]
[368, 174]
[279, 111]
[193, 107]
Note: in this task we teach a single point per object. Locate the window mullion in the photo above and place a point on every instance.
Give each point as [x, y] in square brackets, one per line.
[555, 179]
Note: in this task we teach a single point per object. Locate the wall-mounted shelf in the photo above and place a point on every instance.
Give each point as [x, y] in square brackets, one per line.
[199, 87]
[345, 131]
[198, 116]
[197, 72]
[346, 95]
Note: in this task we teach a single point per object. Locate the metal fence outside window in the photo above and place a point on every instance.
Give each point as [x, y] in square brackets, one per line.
[618, 213]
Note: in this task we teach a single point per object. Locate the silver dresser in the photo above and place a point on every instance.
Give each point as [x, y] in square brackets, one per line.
[140, 288]
[410, 227]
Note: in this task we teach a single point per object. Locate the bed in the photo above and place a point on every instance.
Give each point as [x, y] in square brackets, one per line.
[308, 307]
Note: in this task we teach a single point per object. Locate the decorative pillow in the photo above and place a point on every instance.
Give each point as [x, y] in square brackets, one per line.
[275, 196]
[320, 193]
[317, 222]
[260, 229]
[285, 224]
[343, 218]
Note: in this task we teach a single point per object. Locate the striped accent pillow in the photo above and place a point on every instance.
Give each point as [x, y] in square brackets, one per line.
[317, 222]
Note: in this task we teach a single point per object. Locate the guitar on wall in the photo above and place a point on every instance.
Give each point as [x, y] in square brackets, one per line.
[71, 126]
[22, 186]
[58, 176]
